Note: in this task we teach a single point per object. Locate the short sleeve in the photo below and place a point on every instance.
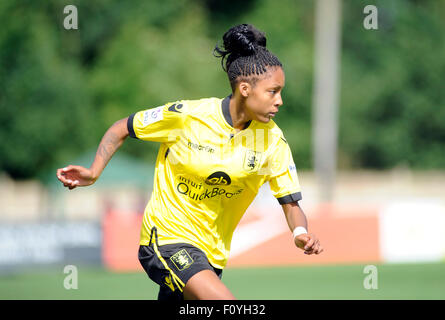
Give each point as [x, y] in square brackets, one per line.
[283, 178]
[161, 124]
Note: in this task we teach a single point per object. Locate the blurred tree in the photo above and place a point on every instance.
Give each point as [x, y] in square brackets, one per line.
[392, 105]
[43, 101]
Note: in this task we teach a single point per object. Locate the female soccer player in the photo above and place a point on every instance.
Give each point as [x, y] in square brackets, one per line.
[214, 156]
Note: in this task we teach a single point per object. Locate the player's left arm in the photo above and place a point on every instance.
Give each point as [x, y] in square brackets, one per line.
[295, 217]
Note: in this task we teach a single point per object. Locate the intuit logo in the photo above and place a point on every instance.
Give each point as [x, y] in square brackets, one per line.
[198, 191]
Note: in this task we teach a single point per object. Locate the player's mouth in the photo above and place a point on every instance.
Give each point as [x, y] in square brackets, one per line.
[271, 114]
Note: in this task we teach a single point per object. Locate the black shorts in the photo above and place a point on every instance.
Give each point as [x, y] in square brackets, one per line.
[172, 265]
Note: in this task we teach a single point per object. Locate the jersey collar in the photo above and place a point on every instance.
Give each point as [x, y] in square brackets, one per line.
[226, 112]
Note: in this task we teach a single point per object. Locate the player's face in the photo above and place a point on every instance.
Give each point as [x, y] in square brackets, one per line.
[264, 96]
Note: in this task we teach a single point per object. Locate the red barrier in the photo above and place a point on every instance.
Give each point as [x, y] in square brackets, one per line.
[121, 241]
[348, 235]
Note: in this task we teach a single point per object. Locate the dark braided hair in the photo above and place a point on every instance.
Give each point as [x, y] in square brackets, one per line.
[244, 54]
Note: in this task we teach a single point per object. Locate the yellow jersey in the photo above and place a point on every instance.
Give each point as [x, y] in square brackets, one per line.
[207, 173]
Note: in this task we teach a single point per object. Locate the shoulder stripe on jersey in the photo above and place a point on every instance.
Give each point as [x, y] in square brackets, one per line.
[290, 198]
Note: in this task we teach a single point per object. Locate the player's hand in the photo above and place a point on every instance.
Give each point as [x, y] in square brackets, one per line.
[309, 243]
[75, 176]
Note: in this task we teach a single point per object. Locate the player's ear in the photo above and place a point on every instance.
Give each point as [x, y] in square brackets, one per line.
[244, 88]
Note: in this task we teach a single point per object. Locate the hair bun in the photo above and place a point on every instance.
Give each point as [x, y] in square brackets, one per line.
[243, 39]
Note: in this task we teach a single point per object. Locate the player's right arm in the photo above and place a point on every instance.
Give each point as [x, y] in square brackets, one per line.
[161, 124]
[77, 176]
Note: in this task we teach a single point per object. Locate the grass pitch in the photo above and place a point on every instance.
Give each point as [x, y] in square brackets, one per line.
[394, 281]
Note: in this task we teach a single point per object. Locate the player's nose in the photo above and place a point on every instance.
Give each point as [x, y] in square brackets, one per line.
[279, 101]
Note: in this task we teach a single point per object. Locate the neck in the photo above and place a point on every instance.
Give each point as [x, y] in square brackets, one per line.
[238, 113]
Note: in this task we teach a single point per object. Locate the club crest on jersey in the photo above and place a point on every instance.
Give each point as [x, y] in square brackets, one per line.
[181, 259]
[252, 160]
